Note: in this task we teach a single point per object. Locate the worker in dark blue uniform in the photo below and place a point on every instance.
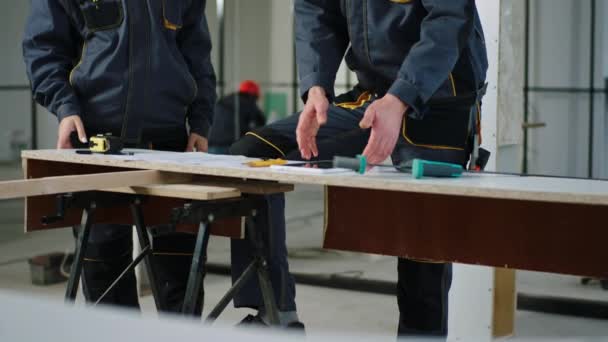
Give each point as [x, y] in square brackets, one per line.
[140, 70]
[235, 115]
[421, 68]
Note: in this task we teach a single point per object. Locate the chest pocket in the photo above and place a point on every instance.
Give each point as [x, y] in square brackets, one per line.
[102, 15]
[173, 14]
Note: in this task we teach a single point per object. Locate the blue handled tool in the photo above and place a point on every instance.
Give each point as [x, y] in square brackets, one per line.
[419, 168]
[425, 168]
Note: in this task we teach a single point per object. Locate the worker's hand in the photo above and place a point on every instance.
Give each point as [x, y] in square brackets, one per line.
[312, 118]
[68, 125]
[384, 117]
[197, 143]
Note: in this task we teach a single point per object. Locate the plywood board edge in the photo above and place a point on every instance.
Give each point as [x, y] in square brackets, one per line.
[24, 165]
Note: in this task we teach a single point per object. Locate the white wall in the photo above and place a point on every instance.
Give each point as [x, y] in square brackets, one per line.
[474, 284]
[15, 104]
[281, 50]
[510, 88]
[259, 46]
[559, 50]
[247, 44]
[12, 23]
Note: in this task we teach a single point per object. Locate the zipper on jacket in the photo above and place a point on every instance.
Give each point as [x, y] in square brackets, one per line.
[147, 71]
[186, 108]
[365, 33]
[347, 15]
[195, 87]
[125, 118]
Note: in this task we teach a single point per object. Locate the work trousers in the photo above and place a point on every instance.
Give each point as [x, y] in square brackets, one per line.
[423, 287]
[110, 249]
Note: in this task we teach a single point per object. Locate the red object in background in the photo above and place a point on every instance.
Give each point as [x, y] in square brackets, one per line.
[250, 87]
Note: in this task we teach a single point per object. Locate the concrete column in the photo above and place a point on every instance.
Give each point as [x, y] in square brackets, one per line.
[493, 290]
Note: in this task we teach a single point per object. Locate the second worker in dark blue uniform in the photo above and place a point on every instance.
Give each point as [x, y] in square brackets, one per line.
[421, 67]
[142, 71]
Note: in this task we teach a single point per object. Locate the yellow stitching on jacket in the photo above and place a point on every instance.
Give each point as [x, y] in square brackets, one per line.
[166, 23]
[453, 84]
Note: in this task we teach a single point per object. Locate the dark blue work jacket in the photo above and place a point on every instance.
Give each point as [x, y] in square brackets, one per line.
[416, 50]
[122, 65]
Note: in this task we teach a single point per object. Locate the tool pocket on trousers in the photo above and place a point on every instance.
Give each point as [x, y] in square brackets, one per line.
[102, 15]
[173, 12]
[444, 126]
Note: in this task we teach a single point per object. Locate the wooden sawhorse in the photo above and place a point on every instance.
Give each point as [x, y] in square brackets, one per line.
[189, 207]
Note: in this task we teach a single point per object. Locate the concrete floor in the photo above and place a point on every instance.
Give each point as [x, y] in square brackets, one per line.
[323, 310]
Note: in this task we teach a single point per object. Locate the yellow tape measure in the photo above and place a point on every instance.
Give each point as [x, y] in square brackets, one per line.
[105, 143]
[266, 163]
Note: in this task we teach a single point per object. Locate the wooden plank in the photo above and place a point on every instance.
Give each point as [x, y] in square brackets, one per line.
[191, 191]
[540, 189]
[36, 207]
[505, 301]
[156, 210]
[537, 236]
[249, 186]
[77, 183]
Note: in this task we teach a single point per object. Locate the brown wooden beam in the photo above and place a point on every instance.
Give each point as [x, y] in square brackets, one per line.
[157, 210]
[246, 186]
[537, 236]
[77, 183]
[189, 191]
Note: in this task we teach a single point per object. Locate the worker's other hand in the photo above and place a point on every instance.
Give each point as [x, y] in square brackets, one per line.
[311, 119]
[384, 117]
[197, 143]
[68, 125]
